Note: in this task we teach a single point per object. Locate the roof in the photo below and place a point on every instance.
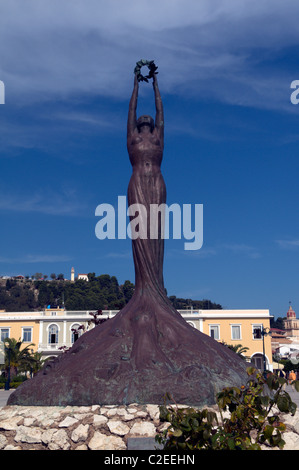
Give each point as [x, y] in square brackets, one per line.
[280, 340]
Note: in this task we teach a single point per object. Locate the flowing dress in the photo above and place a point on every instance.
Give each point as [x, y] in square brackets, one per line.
[147, 187]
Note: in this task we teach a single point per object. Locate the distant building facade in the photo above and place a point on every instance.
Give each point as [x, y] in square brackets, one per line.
[80, 276]
[54, 329]
[291, 324]
[285, 343]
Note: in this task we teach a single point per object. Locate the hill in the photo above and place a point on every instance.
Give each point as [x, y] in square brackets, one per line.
[100, 292]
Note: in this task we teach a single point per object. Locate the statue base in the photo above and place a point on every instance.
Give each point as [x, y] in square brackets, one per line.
[138, 356]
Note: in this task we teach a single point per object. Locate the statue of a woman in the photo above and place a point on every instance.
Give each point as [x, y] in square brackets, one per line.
[147, 349]
[145, 142]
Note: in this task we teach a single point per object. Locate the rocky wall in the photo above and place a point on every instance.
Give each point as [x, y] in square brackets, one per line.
[91, 427]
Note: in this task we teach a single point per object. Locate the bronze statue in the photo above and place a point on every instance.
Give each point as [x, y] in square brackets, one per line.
[147, 349]
[145, 142]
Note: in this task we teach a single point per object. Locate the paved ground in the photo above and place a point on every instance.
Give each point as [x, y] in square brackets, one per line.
[293, 394]
[4, 394]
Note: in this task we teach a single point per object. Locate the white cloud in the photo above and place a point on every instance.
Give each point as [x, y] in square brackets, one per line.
[66, 203]
[242, 249]
[288, 244]
[29, 259]
[62, 48]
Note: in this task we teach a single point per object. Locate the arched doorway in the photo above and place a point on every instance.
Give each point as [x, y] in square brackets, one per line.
[258, 361]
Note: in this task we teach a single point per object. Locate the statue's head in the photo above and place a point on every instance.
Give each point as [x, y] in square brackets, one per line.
[145, 121]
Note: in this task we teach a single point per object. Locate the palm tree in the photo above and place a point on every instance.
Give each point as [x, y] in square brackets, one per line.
[17, 357]
[36, 362]
[238, 349]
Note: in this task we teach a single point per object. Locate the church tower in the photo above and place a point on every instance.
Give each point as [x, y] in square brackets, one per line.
[291, 323]
[73, 275]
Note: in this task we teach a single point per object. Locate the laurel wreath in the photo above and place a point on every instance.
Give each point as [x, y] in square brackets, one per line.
[152, 70]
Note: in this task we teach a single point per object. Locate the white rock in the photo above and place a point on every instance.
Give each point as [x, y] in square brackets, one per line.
[81, 416]
[83, 409]
[100, 441]
[95, 408]
[29, 421]
[153, 411]
[144, 429]
[67, 422]
[32, 435]
[118, 427]
[115, 411]
[3, 441]
[11, 424]
[45, 422]
[132, 410]
[48, 435]
[99, 420]
[121, 412]
[292, 441]
[11, 447]
[162, 427]
[80, 433]
[59, 440]
[35, 412]
[128, 417]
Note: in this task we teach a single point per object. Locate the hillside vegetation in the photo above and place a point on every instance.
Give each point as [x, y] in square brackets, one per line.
[100, 292]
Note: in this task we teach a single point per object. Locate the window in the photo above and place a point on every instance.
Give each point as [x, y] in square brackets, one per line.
[76, 332]
[236, 331]
[53, 334]
[27, 335]
[4, 333]
[214, 331]
[257, 331]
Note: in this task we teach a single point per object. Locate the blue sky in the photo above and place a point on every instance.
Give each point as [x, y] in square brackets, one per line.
[231, 139]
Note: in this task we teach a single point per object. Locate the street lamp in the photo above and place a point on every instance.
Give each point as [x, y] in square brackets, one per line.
[265, 332]
[7, 383]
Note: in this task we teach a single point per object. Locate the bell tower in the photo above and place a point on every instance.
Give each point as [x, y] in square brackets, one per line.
[73, 275]
[291, 323]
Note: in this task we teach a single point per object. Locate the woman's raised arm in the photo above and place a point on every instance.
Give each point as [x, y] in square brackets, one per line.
[132, 117]
[159, 122]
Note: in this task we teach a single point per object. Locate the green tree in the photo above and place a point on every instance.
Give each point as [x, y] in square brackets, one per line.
[17, 356]
[238, 349]
[128, 290]
[36, 362]
[278, 323]
[37, 276]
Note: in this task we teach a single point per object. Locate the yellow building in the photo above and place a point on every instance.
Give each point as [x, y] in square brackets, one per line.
[52, 329]
[21, 325]
[234, 327]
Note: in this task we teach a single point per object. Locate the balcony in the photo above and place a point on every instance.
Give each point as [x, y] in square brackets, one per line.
[53, 348]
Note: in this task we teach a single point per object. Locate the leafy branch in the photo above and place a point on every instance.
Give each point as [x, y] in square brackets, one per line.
[254, 419]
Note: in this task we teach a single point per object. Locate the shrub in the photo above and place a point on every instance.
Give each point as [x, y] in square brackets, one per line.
[11, 385]
[253, 418]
